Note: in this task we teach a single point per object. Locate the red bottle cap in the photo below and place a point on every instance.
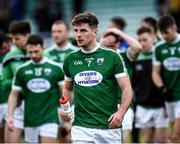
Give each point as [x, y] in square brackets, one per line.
[63, 100]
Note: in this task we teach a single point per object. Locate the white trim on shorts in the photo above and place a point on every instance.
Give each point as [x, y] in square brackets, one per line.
[3, 111]
[150, 117]
[92, 135]
[47, 130]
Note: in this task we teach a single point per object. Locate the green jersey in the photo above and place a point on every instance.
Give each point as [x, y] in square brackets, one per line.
[168, 56]
[39, 83]
[58, 54]
[1, 96]
[94, 83]
[11, 62]
[129, 65]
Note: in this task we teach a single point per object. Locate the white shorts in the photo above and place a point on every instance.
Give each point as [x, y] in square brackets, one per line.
[3, 111]
[47, 130]
[150, 117]
[91, 135]
[170, 111]
[173, 110]
[127, 123]
[19, 116]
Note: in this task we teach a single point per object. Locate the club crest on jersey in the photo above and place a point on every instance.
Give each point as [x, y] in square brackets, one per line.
[100, 61]
[47, 71]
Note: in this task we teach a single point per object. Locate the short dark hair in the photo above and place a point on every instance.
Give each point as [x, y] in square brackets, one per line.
[165, 22]
[119, 21]
[20, 27]
[86, 17]
[152, 22]
[142, 30]
[35, 39]
[117, 37]
[62, 22]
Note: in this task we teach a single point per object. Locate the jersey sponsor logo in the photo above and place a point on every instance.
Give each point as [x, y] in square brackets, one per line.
[38, 85]
[100, 61]
[78, 62]
[172, 63]
[88, 78]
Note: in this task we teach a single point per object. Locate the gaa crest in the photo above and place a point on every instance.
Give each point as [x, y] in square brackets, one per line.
[100, 61]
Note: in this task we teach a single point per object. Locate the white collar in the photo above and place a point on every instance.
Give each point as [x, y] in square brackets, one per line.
[91, 51]
[176, 39]
[67, 46]
[41, 62]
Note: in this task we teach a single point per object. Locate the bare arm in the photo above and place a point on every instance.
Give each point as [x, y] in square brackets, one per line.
[156, 76]
[12, 102]
[67, 90]
[117, 118]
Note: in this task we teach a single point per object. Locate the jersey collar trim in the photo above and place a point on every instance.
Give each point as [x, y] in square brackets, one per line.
[176, 39]
[41, 62]
[91, 51]
[66, 47]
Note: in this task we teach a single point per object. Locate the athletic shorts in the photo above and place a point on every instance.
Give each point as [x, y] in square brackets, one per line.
[19, 116]
[173, 110]
[81, 135]
[150, 117]
[3, 111]
[32, 134]
[170, 111]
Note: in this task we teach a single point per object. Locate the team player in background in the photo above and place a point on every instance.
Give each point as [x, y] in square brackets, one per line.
[20, 32]
[94, 74]
[150, 113]
[4, 48]
[111, 40]
[166, 69]
[40, 80]
[57, 52]
[61, 46]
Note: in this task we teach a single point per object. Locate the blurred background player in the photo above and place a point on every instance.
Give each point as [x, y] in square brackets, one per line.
[150, 104]
[40, 80]
[166, 69]
[20, 32]
[4, 48]
[151, 23]
[111, 40]
[119, 23]
[61, 46]
[57, 52]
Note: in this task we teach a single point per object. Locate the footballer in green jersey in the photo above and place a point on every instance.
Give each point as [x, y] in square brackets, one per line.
[40, 80]
[166, 69]
[94, 74]
[19, 31]
[58, 51]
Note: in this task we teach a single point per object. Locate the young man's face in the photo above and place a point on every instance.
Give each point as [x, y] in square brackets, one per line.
[169, 34]
[35, 52]
[19, 40]
[146, 41]
[59, 33]
[84, 34]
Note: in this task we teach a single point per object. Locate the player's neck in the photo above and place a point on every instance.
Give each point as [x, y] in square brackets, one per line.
[62, 44]
[91, 46]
